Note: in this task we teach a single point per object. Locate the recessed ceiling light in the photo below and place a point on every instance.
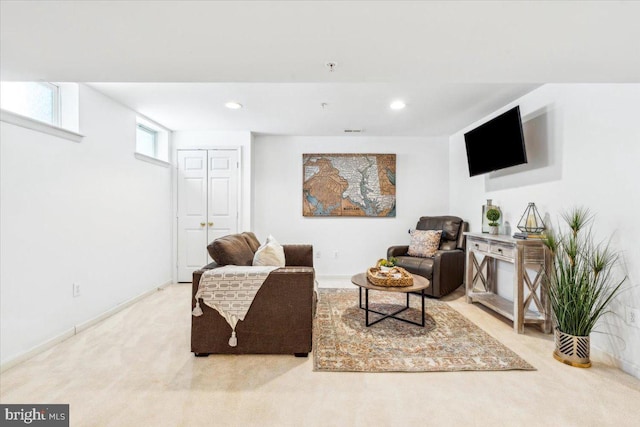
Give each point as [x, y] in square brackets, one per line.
[233, 105]
[397, 105]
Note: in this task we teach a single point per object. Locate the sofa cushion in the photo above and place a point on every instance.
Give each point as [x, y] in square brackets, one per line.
[251, 240]
[231, 250]
[298, 255]
[424, 243]
[271, 253]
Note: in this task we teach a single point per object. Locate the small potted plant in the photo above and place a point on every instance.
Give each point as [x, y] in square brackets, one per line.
[493, 215]
[387, 264]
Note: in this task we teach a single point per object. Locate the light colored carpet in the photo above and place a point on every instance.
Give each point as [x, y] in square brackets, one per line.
[135, 369]
[447, 342]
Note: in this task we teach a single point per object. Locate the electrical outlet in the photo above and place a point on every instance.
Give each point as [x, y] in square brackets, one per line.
[318, 254]
[335, 254]
[76, 290]
[633, 317]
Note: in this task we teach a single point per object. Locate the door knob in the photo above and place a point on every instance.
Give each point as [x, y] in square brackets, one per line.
[202, 224]
[210, 224]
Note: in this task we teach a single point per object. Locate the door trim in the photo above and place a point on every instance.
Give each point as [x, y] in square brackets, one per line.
[174, 183]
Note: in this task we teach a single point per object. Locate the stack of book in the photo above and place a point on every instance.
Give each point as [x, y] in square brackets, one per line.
[524, 235]
[535, 236]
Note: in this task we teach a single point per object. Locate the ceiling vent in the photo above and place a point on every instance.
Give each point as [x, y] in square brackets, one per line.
[353, 131]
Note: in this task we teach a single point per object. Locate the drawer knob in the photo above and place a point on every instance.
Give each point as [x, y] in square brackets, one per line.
[500, 250]
[477, 245]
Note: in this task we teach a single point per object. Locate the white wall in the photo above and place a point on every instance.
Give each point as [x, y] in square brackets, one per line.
[217, 139]
[86, 213]
[422, 189]
[585, 141]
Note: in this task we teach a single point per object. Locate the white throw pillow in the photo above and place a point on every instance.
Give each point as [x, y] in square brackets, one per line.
[270, 253]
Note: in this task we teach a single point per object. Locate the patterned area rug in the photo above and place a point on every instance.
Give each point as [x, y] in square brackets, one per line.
[447, 342]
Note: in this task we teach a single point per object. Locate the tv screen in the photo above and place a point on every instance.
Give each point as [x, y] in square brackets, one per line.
[496, 144]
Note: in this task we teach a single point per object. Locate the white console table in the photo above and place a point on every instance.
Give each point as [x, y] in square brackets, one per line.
[483, 252]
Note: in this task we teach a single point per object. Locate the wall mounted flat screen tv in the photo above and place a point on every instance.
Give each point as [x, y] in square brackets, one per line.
[496, 144]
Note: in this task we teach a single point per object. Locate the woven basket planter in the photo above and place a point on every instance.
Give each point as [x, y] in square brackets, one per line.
[572, 350]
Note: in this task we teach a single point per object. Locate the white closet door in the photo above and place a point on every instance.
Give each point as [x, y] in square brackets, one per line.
[222, 193]
[192, 212]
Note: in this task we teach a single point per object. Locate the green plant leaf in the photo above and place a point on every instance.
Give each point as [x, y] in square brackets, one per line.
[580, 284]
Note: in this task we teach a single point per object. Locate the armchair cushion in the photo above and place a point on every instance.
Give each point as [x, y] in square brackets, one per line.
[452, 230]
[424, 243]
[420, 266]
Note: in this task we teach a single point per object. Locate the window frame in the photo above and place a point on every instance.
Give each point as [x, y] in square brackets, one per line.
[162, 142]
[56, 104]
[151, 131]
[65, 113]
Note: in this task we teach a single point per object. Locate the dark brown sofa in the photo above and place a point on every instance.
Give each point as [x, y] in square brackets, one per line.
[280, 320]
[446, 269]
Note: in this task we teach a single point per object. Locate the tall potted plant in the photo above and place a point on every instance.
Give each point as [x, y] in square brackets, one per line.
[580, 285]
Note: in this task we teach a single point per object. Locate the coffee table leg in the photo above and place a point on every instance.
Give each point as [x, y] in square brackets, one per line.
[422, 296]
[407, 299]
[360, 297]
[366, 301]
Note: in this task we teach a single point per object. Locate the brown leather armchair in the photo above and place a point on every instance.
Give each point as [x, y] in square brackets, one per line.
[445, 270]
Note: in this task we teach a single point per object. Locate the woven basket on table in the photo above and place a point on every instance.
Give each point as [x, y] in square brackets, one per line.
[386, 278]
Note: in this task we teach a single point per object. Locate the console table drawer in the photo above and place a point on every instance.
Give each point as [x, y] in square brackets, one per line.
[502, 250]
[479, 245]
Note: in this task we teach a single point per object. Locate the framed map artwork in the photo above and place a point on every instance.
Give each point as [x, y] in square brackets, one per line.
[349, 185]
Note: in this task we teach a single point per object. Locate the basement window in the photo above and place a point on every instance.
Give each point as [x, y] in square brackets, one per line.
[51, 108]
[35, 100]
[152, 142]
[146, 141]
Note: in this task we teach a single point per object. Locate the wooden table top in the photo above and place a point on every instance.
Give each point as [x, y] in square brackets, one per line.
[419, 283]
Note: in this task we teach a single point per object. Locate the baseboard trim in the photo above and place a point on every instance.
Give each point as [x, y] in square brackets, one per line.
[37, 349]
[610, 359]
[91, 322]
[338, 281]
[34, 351]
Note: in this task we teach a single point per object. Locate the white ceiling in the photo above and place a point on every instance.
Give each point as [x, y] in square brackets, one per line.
[453, 62]
[295, 108]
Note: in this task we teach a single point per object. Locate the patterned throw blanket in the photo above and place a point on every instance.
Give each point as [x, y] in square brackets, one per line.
[230, 291]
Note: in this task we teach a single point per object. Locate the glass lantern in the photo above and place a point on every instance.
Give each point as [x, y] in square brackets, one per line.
[531, 221]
